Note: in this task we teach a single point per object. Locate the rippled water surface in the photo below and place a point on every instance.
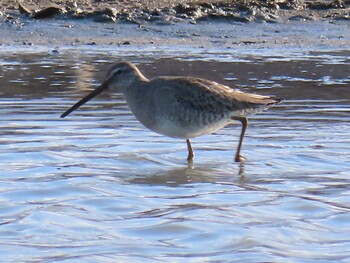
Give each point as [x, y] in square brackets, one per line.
[97, 186]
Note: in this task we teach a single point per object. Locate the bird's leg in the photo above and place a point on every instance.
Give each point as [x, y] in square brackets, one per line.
[244, 121]
[190, 151]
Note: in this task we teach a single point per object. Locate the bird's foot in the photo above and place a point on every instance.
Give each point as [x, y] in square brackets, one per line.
[240, 158]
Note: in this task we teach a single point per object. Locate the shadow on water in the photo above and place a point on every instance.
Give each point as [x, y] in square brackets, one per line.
[126, 190]
[191, 174]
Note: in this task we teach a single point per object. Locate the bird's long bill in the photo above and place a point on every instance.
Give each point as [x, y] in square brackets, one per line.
[90, 96]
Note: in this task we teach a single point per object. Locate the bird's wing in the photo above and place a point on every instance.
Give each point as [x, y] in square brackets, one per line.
[209, 96]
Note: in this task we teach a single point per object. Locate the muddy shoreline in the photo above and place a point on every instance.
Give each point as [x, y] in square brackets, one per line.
[225, 24]
[166, 12]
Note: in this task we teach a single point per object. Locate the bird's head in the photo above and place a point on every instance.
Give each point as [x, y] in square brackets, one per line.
[119, 77]
[122, 75]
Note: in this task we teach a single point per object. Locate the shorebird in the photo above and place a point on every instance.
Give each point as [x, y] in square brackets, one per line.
[180, 107]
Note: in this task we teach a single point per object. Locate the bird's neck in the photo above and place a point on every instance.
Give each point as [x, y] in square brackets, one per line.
[140, 77]
[135, 92]
[140, 100]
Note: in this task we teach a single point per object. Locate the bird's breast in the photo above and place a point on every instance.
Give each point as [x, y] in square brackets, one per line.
[188, 128]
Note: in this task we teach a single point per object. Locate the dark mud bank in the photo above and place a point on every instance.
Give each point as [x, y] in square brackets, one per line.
[180, 11]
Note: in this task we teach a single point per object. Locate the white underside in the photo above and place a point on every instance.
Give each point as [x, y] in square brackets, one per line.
[172, 130]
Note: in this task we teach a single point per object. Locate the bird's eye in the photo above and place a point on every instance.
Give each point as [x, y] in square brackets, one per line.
[118, 72]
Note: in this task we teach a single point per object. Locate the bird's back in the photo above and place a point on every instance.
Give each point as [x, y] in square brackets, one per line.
[208, 96]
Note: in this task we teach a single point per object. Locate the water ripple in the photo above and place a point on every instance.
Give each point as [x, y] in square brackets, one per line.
[97, 186]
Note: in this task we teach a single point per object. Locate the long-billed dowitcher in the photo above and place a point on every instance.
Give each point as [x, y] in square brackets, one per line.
[180, 107]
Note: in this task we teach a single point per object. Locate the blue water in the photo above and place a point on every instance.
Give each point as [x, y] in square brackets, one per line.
[97, 186]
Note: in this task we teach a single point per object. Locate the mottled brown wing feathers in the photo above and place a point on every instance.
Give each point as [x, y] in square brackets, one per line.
[211, 96]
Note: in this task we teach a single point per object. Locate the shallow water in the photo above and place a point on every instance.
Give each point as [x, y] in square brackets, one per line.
[97, 186]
